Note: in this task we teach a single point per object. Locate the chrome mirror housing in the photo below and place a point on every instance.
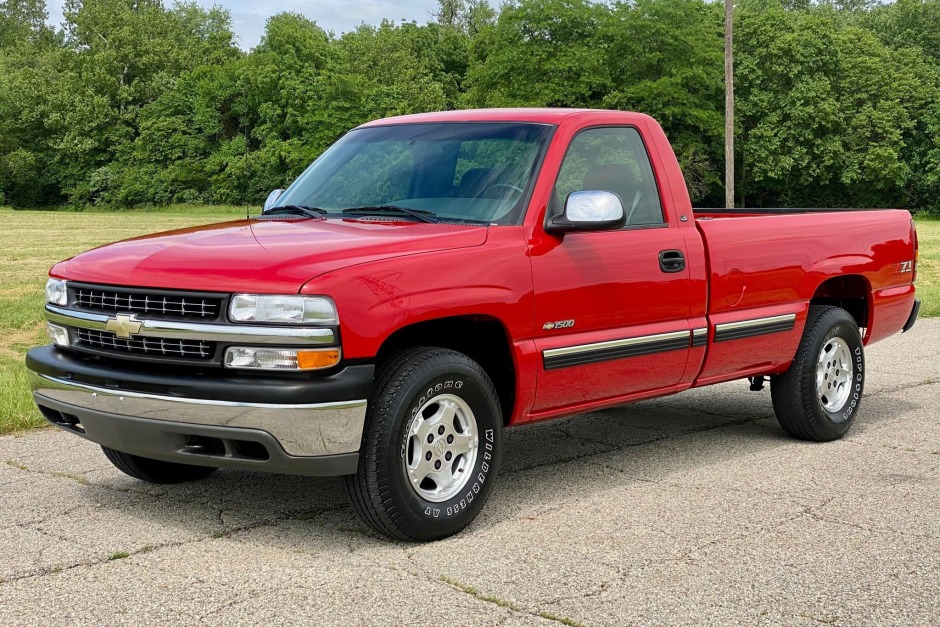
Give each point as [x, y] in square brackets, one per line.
[589, 210]
[272, 198]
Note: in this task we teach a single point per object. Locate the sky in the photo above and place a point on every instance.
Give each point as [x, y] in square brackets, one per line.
[340, 16]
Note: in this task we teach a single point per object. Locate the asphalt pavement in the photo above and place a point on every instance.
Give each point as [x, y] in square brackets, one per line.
[690, 510]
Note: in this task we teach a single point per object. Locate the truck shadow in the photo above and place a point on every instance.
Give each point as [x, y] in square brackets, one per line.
[545, 466]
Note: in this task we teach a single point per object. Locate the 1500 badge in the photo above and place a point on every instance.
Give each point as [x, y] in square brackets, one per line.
[561, 324]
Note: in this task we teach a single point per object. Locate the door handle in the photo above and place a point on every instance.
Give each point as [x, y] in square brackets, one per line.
[671, 261]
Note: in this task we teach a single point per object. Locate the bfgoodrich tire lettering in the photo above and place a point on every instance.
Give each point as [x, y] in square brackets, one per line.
[383, 492]
[830, 355]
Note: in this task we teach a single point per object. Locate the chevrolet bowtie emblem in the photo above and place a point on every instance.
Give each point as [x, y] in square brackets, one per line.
[124, 326]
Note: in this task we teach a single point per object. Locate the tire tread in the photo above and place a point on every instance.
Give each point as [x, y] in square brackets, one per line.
[795, 403]
[371, 498]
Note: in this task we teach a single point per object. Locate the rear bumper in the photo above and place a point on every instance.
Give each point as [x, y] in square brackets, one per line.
[912, 318]
[204, 420]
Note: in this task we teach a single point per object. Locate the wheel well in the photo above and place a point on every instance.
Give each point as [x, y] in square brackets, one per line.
[481, 338]
[850, 292]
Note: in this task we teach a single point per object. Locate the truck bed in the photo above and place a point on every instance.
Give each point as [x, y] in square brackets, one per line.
[768, 263]
[762, 259]
[727, 212]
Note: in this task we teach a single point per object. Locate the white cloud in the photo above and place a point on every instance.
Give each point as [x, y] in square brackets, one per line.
[339, 16]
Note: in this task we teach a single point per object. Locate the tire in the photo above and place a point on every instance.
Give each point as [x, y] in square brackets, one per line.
[153, 470]
[426, 394]
[817, 398]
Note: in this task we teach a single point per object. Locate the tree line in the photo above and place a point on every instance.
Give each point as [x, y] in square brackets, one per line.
[137, 103]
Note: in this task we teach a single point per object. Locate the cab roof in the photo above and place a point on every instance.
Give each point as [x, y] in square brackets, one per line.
[531, 115]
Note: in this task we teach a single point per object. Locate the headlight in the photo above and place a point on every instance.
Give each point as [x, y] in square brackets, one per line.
[283, 309]
[57, 292]
[258, 358]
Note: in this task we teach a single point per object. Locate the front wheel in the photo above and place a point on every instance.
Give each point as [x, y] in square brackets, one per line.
[430, 447]
[818, 397]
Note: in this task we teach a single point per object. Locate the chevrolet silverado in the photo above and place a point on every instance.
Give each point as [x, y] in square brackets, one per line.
[433, 279]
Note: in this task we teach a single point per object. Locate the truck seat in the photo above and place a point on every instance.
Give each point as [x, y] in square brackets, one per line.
[618, 179]
[640, 200]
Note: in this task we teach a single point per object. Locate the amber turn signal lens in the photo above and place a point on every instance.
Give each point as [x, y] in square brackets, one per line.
[318, 359]
[264, 358]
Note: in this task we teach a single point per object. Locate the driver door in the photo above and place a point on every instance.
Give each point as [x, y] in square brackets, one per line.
[611, 319]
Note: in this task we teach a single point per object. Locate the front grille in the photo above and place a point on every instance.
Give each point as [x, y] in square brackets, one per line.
[153, 347]
[167, 305]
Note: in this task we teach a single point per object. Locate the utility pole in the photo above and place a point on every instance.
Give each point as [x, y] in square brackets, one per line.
[729, 106]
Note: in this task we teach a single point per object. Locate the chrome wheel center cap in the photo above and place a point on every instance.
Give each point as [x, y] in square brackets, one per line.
[441, 448]
[834, 374]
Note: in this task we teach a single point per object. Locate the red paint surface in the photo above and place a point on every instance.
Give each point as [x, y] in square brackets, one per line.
[385, 276]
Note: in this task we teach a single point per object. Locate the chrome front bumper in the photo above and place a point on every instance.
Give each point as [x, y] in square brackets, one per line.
[301, 430]
[210, 418]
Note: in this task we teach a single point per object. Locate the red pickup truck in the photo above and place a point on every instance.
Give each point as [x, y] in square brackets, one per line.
[433, 279]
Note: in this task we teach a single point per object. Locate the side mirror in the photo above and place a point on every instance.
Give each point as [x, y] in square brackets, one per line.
[589, 210]
[271, 199]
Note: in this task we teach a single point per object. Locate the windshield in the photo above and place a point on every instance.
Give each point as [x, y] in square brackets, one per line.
[463, 172]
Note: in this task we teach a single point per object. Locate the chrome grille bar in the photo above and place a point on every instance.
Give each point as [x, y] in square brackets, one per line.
[182, 306]
[186, 349]
[178, 330]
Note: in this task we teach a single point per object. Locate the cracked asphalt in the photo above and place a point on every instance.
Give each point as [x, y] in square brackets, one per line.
[695, 509]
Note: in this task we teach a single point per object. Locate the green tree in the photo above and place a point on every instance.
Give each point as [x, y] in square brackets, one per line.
[120, 55]
[22, 20]
[28, 61]
[548, 53]
[829, 115]
[135, 102]
[665, 59]
[907, 24]
[787, 108]
[396, 69]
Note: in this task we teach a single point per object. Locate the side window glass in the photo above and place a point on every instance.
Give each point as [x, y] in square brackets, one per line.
[614, 160]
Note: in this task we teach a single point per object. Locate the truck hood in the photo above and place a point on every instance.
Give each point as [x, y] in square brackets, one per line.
[267, 256]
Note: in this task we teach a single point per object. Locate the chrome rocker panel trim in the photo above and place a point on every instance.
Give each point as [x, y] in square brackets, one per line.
[302, 430]
[754, 327]
[582, 354]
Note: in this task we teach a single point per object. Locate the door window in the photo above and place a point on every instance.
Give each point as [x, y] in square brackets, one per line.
[611, 159]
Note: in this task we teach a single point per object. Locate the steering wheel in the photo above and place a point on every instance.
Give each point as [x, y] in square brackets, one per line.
[496, 186]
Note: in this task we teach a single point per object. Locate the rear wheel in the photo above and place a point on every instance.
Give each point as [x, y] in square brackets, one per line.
[430, 447]
[818, 397]
[154, 470]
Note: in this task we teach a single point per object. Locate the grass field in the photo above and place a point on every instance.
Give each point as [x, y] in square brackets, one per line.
[32, 241]
[928, 269]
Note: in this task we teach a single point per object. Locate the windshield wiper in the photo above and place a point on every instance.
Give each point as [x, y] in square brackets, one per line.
[417, 214]
[310, 212]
